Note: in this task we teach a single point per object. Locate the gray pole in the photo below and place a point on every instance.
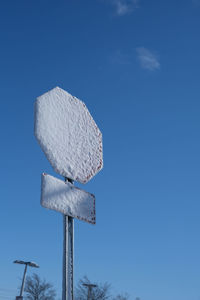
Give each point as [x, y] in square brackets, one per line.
[26, 263]
[89, 292]
[68, 258]
[89, 287]
[23, 281]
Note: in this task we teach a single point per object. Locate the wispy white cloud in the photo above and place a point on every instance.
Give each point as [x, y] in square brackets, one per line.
[123, 7]
[148, 60]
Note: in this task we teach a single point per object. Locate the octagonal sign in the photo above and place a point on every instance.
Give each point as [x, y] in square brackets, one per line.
[68, 135]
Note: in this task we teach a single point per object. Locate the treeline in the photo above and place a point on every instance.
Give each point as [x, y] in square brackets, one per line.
[39, 289]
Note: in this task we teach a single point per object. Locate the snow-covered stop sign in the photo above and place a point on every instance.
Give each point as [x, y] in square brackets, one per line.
[68, 135]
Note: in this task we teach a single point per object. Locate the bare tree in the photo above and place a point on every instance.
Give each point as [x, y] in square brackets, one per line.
[100, 292]
[121, 297]
[38, 289]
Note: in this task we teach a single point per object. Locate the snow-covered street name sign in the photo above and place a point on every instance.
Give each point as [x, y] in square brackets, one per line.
[64, 197]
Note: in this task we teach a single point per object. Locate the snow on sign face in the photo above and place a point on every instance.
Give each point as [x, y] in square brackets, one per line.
[64, 197]
[68, 135]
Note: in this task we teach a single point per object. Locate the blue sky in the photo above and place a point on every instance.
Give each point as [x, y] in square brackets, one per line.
[136, 66]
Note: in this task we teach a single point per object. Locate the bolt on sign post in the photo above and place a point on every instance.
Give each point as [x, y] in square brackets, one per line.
[72, 142]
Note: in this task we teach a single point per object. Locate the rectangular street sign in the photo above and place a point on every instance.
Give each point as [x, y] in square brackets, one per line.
[64, 197]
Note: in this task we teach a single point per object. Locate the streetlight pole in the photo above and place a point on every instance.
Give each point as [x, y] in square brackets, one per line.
[26, 263]
[89, 286]
[23, 280]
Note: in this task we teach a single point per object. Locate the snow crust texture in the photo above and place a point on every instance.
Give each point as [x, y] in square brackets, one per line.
[68, 135]
[67, 199]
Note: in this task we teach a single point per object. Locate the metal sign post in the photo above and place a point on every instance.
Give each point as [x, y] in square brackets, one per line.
[72, 143]
[68, 257]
